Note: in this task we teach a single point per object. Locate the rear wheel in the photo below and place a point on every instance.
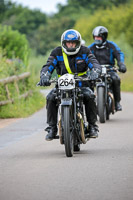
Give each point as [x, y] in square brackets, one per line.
[101, 106]
[107, 115]
[77, 147]
[108, 109]
[110, 105]
[68, 136]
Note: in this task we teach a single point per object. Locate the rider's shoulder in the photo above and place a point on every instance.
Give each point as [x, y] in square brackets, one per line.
[111, 43]
[84, 49]
[92, 45]
[57, 50]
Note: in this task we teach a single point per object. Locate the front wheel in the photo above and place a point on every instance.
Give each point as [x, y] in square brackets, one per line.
[101, 105]
[68, 135]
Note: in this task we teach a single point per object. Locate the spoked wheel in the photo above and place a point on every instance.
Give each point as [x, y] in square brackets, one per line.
[108, 108]
[107, 114]
[68, 136]
[77, 147]
[60, 130]
[110, 105]
[81, 123]
[101, 104]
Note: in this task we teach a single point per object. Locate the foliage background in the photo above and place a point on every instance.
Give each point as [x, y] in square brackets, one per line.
[43, 31]
[27, 36]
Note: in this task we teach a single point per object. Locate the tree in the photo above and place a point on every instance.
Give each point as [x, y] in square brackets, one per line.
[2, 9]
[49, 36]
[14, 44]
[23, 19]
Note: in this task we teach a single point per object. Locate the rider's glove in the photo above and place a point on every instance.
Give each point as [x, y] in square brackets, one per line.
[94, 75]
[44, 80]
[99, 71]
[122, 68]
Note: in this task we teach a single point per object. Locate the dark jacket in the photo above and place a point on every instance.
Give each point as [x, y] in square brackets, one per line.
[108, 53]
[80, 62]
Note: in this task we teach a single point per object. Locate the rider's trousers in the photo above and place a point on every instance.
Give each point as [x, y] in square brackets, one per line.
[88, 99]
[116, 86]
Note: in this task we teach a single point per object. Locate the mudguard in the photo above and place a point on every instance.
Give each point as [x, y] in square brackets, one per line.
[66, 102]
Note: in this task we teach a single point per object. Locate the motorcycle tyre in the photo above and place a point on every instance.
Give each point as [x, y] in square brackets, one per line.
[68, 136]
[101, 107]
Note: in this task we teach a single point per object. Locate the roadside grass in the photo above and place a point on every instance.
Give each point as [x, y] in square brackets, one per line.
[35, 64]
[36, 101]
[23, 107]
[127, 79]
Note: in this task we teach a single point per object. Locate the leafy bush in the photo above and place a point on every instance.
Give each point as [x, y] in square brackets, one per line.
[117, 20]
[120, 26]
[14, 44]
[10, 67]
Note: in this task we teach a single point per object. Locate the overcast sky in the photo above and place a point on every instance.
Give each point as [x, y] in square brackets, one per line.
[47, 6]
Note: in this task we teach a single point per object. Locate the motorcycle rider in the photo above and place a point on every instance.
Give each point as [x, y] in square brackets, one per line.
[106, 52]
[79, 60]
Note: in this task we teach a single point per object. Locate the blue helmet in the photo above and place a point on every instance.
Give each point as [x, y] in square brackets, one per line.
[73, 36]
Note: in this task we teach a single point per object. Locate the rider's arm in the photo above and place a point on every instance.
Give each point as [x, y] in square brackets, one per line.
[51, 63]
[92, 61]
[118, 54]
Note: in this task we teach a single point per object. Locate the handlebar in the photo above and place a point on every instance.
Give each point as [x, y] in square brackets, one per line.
[50, 81]
[109, 67]
[76, 79]
[82, 79]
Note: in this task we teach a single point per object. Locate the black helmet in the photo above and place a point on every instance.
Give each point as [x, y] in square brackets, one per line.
[100, 31]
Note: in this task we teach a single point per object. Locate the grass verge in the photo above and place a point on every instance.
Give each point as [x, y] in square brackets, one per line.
[23, 107]
[127, 79]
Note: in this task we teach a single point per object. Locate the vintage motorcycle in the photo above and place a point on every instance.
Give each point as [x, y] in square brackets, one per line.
[72, 124]
[105, 97]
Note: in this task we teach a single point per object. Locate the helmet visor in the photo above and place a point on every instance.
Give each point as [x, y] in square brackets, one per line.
[71, 46]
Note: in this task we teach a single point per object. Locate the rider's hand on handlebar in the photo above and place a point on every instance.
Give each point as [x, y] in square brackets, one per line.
[94, 75]
[99, 71]
[45, 77]
[122, 68]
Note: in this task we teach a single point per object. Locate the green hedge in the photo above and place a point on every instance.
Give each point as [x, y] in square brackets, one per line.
[14, 44]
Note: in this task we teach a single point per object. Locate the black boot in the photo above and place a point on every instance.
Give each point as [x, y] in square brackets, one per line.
[118, 106]
[52, 132]
[93, 131]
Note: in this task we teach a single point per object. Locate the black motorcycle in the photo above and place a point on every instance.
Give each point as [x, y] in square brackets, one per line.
[105, 97]
[72, 123]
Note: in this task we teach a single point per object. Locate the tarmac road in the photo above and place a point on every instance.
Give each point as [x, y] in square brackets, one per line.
[34, 169]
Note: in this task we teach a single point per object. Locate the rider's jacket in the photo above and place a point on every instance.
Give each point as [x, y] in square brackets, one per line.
[107, 53]
[78, 63]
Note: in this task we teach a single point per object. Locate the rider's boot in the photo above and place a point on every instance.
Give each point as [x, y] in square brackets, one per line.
[118, 106]
[93, 131]
[52, 132]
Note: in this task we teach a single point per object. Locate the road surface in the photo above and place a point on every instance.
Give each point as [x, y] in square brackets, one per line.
[34, 169]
